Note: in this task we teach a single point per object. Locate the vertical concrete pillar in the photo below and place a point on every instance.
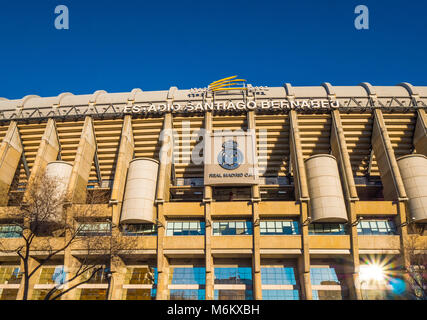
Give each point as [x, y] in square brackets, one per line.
[82, 164]
[165, 155]
[118, 269]
[353, 283]
[47, 152]
[10, 154]
[126, 150]
[71, 267]
[392, 181]
[420, 135]
[256, 255]
[390, 175]
[163, 184]
[207, 200]
[340, 152]
[301, 195]
[304, 259]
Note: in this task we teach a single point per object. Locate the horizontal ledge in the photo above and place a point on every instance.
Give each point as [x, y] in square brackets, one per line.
[184, 251]
[329, 251]
[137, 286]
[10, 286]
[279, 287]
[230, 286]
[231, 251]
[280, 251]
[378, 251]
[184, 286]
[93, 286]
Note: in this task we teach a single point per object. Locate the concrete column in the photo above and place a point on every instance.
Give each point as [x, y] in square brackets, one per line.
[162, 261]
[10, 154]
[420, 135]
[71, 265]
[162, 194]
[393, 188]
[339, 151]
[118, 269]
[390, 175]
[300, 177]
[304, 259]
[301, 195]
[402, 209]
[256, 256]
[165, 155]
[126, 151]
[207, 200]
[82, 164]
[47, 152]
[353, 284]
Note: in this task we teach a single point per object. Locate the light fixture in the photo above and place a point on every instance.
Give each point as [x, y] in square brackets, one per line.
[355, 223]
[158, 223]
[307, 221]
[406, 223]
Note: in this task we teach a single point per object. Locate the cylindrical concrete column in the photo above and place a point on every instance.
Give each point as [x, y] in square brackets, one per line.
[413, 169]
[60, 172]
[324, 188]
[138, 203]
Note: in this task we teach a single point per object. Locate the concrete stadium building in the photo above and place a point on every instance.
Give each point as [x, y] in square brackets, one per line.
[304, 188]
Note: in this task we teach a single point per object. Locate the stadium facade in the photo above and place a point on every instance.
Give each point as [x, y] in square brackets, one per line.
[233, 193]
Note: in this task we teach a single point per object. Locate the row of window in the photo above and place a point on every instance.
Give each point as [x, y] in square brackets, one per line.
[181, 228]
[328, 281]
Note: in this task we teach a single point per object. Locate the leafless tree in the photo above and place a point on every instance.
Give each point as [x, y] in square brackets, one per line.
[416, 249]
[48, 225]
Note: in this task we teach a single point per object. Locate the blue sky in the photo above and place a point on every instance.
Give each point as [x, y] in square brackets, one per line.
[120, 45]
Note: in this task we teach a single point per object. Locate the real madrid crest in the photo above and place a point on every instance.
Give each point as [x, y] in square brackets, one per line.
[230, 157]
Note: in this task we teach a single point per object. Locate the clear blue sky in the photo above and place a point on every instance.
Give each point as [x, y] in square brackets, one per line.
[152, 45]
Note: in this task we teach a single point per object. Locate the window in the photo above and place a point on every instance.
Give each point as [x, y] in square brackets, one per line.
[142, 229]
[278, 275]
[233, 275]
[376, 227]
[10, 275]
[280, 295]
[93, 294]
[8, 294]
[99, 277]
[274, 279]
[225, 228]
[139, 294]
[140, 283]
[327, 284]
[10, 231]
[326, 228]
[187, 294]
[94, 229]
[187, 283]
[10, 279]
[233, 295]
[233, 283]
[279, 227]
[141, 275]
[52, 275]
[185, 228]
[194, 275]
